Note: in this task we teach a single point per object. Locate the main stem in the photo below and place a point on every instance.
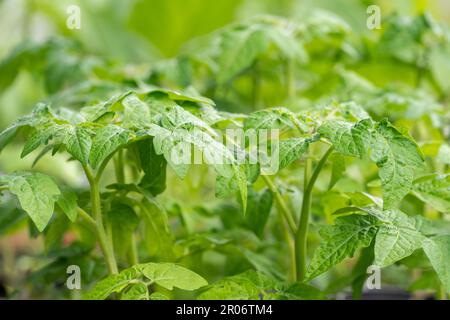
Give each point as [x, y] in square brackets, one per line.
[302, 231]
[97, 214]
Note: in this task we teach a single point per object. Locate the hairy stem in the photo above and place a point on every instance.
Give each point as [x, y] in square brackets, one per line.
[289, 217]
[119, 167]
[105, 244]
[302, 231]
[86, 216]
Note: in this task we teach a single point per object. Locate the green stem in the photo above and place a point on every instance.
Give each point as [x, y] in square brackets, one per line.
[119, 167]
[105, 245]
[289, 217]
[302, 231]
[86, 216]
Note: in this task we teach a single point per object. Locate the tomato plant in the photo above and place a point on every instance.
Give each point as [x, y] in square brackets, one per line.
[173, 192]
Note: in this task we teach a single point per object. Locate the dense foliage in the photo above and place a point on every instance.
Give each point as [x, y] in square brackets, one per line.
[362, 177]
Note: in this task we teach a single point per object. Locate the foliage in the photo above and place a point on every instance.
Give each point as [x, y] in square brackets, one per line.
[361, 178]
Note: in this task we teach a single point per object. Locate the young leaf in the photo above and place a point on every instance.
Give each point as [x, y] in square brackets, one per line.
[435, 190]
[78, 143]
[274, 118]
[290, 150]
[300, 291]
[40, 137]
[112, 283]
[337, 169]
[55, 232]
[438, 251]
[397, 237]
[259, 205]
[41, 113]
[339, 133]
[396, 155]
[154, 167]
[341, 241]
[239, 48]
[440, 66]
[169, 275]
[393, 152]
[136, 112]
[67, 201]
[138, 291]
[249, 285]
[158, 296]
[37, 195]
[106, 141]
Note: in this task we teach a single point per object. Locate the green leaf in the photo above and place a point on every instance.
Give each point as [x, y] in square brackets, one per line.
[434, 189]
[395, 153]
[262, 263]
[173, 145]
[154, 167]
[37, 195]
[285, 40]
[41, 113]
[249, 285]
[438, 251]
[158, 296]
[40, 137]
[67, 201]
[238, 50]
[273, 118]
[397, 237]
[178, 118]
[189, 94]
[259, 205]
[230, 183]
[138, 291]
[176, 145]
[169, 275]
[78, 143]
[106, 141]
[290, 150]
[113, 283]
[10, 218]
[339, 133]
[440, 66]
[300, 291]
[337, 169]
[341, 241]
[55, 232]
[136, 112]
